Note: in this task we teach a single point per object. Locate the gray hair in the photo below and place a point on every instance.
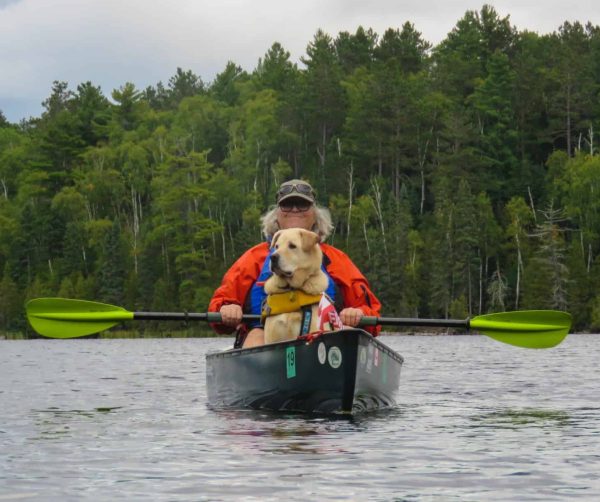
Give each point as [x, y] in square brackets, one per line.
[322, 227]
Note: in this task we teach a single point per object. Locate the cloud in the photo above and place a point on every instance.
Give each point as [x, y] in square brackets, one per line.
[6, 3]
[110, 42]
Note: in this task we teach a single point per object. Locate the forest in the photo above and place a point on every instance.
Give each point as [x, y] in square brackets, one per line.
[463, 178]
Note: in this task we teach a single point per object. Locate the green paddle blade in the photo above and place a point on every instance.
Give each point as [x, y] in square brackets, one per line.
[65, 318]
[532, 329]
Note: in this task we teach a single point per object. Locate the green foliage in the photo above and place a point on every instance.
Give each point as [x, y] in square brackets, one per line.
[595, 324]
[112, 267]
[548, 274]
[434, 162]
[10, 303]
[3, 121]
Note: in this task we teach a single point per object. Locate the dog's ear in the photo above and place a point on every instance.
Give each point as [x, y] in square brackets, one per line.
[275, 237]
[309, 240]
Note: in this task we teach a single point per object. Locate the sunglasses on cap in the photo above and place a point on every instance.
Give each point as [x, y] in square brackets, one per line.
[303, 188]
[301, 205]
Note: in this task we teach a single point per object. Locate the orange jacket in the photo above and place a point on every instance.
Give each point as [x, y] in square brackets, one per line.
[242, 275]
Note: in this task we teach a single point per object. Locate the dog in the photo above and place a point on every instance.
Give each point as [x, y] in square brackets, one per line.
[297, 274]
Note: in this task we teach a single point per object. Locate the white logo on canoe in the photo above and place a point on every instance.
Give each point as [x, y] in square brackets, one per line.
[335, 357]
[322, 353]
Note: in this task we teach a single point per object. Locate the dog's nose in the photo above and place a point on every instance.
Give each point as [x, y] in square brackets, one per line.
[274, 259]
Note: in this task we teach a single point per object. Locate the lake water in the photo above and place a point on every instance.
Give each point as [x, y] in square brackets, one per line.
[127, 420]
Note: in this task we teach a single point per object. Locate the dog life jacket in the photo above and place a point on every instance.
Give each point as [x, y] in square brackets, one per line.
[258, 296]
[291, 301]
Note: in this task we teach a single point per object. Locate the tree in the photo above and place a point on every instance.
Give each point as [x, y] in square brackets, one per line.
[464, 246]
[59, 136]
[461, 59]
[547, 274]
[580, 181]
[92, 110]
[184, 84]
[112, 267]
[520, 221]
[492, 102]
[355, 50]
[531, 64]
[200, 124]
[10, 303]
[3, 121]
[258, 140]
[324, 100]
[129, 108]
[58, 100]
[488, 236]
[574, 85]
[14, 159]
[224, 87]
[275, 70]
[405, 48]
[158, 98]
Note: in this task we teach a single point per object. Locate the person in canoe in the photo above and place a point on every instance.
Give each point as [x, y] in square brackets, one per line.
[242, 288]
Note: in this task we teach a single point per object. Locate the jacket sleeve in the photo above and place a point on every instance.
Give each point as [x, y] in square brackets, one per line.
[353, 285]
[237, 282]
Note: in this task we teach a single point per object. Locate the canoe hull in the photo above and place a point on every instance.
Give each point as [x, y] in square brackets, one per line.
[346, 371]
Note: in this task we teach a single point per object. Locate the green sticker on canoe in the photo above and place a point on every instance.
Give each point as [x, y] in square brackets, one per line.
[290, 361]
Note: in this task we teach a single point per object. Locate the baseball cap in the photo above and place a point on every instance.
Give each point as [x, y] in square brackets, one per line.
[297, 189]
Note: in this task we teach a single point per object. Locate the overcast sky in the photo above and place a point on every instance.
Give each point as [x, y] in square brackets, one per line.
[111, 42]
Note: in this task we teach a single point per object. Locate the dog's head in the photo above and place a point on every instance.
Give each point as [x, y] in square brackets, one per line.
[296, 256]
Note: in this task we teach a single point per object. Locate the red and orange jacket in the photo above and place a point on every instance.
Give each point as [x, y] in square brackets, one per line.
[239, 279]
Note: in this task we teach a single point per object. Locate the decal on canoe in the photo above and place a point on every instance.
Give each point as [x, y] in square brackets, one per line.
[334, 357]
[290, 361]
[322, 353]
[362, 357]
[369, 359]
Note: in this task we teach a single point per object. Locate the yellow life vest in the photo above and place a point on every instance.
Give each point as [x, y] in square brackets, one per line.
[290, 301]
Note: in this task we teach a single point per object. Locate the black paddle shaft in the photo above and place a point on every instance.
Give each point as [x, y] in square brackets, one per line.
[186, 316]
[365, 321]
[402, 321]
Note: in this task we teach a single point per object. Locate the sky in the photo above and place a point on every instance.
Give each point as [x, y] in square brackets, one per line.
[111, 42]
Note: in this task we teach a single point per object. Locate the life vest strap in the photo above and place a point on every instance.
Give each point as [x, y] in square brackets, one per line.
[306, 320]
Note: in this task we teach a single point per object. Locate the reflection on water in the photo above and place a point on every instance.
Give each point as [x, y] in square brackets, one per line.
[86, 413]
[54, 423]
[294, 433]
[524, 417]
[288, 433]
[127, 420]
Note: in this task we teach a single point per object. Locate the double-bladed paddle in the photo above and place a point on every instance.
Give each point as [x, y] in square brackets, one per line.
[66, 318]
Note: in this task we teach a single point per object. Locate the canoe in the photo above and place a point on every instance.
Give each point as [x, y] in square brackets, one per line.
[347, 371]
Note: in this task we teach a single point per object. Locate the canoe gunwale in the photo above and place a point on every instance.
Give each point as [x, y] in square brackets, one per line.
[298, 342]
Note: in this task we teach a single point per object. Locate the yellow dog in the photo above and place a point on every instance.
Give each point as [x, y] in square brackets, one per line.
[297, 281]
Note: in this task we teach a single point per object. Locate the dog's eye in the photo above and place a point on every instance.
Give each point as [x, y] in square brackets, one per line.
[276, 246]
[293, 246]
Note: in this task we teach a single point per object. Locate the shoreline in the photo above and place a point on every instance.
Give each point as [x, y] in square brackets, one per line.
[121, 334]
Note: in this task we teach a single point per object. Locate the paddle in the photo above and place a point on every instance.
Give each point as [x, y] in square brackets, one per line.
[66, 318]
[531, 329]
